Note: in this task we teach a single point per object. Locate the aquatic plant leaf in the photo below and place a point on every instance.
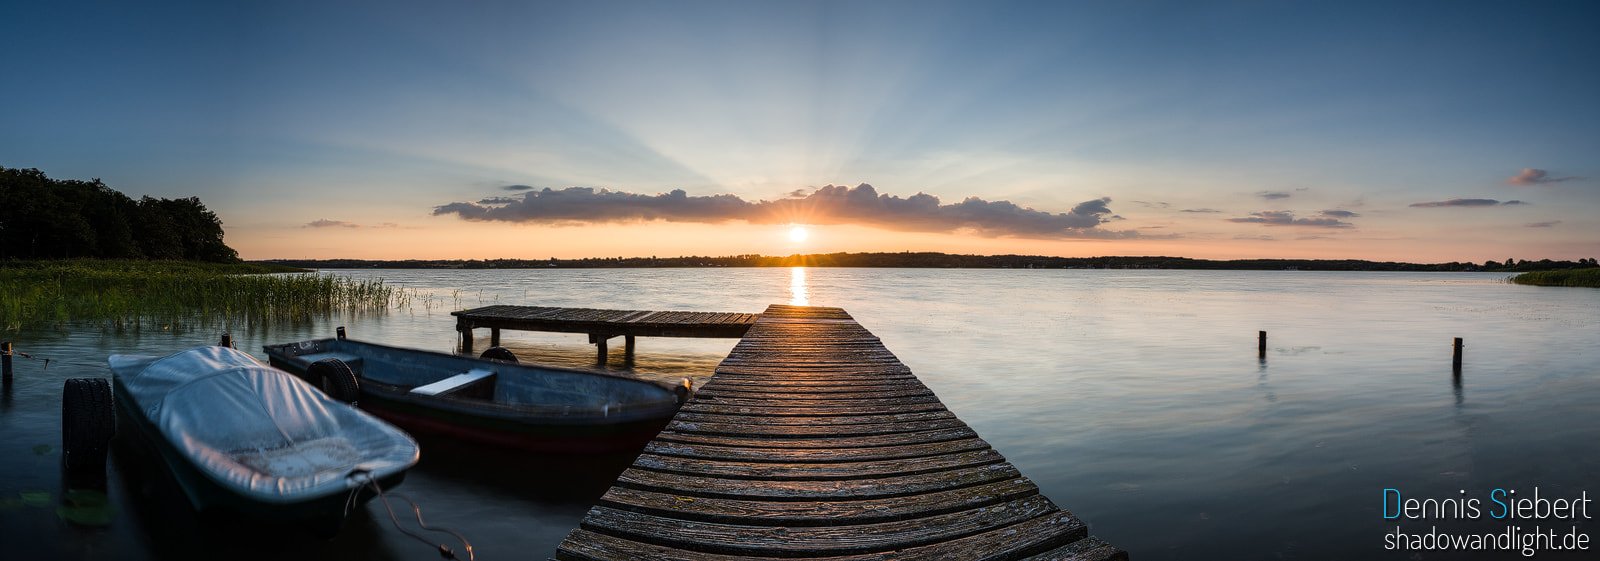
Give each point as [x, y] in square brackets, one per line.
[43, 449]
[36, 497]
[87, 507]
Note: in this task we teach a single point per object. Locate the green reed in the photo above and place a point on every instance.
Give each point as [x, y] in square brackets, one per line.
[136, 294]
[1570, 277]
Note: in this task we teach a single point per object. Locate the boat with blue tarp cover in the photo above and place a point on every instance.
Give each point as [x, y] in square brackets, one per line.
[242, 436]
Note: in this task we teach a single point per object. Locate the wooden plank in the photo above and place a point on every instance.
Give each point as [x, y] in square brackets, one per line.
[1011, 542]
[816, 472]
[817, 513]
[815, 541]
[836, 443]
[682, 426]
[804, 490]
[785, 421]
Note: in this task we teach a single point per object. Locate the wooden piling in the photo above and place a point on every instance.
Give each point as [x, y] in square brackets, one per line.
[1261, 345]
[227, 341]
[5, 360]
[494, 336]
[1456, 360]
[340, 332]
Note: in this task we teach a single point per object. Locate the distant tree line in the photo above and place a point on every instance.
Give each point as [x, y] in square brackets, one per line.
[937, 260]
[43, 218]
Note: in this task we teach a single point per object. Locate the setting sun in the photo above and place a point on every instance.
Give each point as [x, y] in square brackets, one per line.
[798, 234]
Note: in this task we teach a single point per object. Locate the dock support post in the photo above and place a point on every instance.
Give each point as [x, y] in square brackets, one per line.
[1261, 346]
[627, 354]
[600, 343]
[227, 341]
[466, 337]
[494, 336]
[1455, 361]
[5, 360]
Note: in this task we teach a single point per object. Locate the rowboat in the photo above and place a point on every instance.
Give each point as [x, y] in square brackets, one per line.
[487, 401]
[242, 436]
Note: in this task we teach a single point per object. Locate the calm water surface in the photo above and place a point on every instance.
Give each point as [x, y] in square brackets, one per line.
[1134, 399]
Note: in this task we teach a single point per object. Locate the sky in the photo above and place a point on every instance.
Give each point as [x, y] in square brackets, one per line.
[1409, 131]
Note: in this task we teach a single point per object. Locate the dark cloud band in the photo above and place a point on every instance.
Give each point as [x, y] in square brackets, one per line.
[828, 205]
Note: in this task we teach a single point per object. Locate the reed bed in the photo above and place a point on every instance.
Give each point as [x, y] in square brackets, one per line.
[1570, 277]
[138, 294]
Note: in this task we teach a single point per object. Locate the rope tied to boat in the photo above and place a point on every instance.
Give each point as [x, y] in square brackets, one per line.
[444, 550]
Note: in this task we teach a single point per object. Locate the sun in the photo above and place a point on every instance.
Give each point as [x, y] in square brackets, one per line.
[798, 234]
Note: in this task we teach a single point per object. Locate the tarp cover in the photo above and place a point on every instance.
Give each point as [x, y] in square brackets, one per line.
[259, 431]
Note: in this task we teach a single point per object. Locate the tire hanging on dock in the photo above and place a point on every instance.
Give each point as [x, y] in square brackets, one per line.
[88, 421]
[335, 378]
[499, 353]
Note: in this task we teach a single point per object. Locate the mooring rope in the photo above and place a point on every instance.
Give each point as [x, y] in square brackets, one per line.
[48, 360]
[444, 550]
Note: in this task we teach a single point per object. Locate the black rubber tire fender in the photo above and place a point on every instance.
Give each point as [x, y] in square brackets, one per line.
[336, 379]
[88, 421]
[501, 354]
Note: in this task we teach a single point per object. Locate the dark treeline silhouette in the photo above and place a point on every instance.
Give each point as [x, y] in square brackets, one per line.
[43, 218]
[938, 260]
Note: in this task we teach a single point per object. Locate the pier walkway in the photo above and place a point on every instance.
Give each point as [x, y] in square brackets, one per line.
[813, 441]
[601, 325]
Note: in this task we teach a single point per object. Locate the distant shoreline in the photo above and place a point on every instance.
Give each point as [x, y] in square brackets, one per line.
[930, 260]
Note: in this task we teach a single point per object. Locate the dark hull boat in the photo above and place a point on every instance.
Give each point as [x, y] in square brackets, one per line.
[239, 435]
[494, 402]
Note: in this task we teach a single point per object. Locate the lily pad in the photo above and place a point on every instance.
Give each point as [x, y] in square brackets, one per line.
[36, 497]
[43, 449]
[87, 507]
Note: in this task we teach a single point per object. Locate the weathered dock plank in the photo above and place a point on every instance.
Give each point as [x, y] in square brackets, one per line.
[813, 441]
[600, 325]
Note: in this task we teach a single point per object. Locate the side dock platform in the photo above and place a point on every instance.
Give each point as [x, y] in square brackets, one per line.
[813, 441]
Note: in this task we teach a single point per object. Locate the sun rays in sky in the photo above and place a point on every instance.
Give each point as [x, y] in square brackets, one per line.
[533, 130]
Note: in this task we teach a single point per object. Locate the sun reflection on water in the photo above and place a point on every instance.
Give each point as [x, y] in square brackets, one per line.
[799, 295]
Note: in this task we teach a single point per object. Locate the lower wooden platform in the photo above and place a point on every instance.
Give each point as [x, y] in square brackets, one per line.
[813, 441]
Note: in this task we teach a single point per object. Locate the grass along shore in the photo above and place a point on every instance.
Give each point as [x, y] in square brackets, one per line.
[136, 294]
[1571, 277]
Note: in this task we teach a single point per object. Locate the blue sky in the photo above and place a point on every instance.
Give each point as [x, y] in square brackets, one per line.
[483, 130]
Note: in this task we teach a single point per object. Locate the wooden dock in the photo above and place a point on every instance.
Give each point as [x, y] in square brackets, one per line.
[600, 325]
[813, 441]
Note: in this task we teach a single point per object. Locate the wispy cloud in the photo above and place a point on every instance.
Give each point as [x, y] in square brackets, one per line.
[827, 205]
[1273, 195]
[1466, 203]
[1549, 224]
[1150, 204]
[518, 188]
[1339, 214]
[1201, 210]
[1531, 176]
[326, 223]
[1286, 218]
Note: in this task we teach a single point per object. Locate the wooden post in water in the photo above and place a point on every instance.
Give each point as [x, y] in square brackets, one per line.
[1261, 346]
[494, 336]
[5, 360]
[227, 341]
[466, 338]
[627, 349]
[1456, 360]
[600, 342]
[339, 332]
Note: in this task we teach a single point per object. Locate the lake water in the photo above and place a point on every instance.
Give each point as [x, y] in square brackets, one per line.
[1133, 398]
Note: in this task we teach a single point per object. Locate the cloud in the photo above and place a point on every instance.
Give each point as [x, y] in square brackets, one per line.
[1465, 202]
[1273, 195]
[1286, 218]
[325, 223]
[1204, 210]
[1549, 224]
[1339, 214]
[1148, 204]
[827, 205]
[518, 187]
[1531, 176]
